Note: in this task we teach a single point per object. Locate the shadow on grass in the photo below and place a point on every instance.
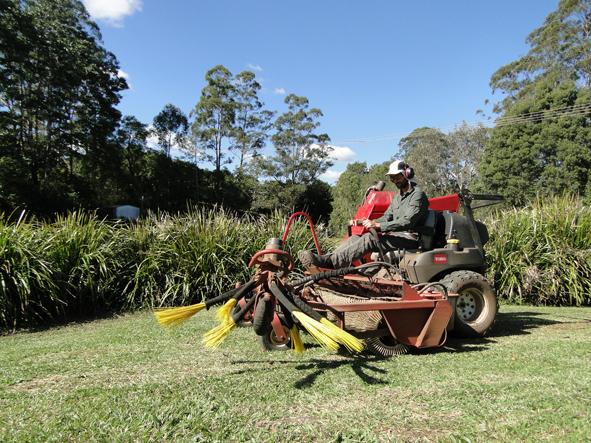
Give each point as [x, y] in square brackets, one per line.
[518, 323]
[361, 365]
[507, 324]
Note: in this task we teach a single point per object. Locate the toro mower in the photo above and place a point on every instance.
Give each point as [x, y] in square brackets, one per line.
[385, 304]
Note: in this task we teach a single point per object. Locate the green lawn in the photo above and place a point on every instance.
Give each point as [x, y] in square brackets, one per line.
[126, 379]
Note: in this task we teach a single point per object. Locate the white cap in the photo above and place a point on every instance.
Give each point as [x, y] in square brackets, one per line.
[396, 167]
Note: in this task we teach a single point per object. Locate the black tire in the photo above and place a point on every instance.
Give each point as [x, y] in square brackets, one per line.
[270, 342]
[476, 306]
[241, 323]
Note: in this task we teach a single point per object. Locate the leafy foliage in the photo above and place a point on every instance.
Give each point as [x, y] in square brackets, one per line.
[540, 157]
[58, 92]
[79, 266]
[551, 153]
[301, 155]
[445, 162]
[171, 126]
[560, 49]
[253, 122]
[542, 254]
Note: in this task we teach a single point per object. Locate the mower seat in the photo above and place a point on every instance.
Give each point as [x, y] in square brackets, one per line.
[427, 231]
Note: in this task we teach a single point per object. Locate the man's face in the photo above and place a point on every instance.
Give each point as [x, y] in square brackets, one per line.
[399, 180]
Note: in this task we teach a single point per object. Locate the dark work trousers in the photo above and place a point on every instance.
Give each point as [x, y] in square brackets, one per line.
[357, 246]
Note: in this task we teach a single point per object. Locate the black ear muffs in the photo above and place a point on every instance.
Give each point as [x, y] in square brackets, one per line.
[407, 171]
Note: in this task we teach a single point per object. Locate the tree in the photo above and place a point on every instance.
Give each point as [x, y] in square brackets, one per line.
[170, 126]
[427, 150]
[544, 156]
[547, 152]
[466, 146]
[215, 114]
[252, 121]
[132, 139]
[58, 94]
[301, 155]
[560, 49]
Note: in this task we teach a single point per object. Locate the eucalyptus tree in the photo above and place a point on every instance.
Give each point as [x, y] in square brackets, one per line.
[301, 154]
[252, 121]
[214, 115]
[466, 147]
[560, 50]
[170, 127]
[542, 142]
[131, 137]
[427, 150]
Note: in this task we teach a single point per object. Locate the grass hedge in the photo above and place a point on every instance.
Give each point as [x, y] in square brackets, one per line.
[542, 254]
[79, 266]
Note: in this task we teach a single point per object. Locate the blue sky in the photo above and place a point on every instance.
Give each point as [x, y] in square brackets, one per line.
[376, 69]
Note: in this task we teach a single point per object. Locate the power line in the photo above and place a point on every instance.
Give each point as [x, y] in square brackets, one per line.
[579, 110]
[570, 111]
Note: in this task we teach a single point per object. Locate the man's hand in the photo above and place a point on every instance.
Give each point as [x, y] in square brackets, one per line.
[368, 224]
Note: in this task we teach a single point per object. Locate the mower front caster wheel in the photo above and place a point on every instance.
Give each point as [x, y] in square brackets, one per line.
[476, 305]
[270, 342]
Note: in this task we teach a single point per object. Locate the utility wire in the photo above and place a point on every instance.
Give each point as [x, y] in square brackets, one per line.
[579, 110]
[549, 113]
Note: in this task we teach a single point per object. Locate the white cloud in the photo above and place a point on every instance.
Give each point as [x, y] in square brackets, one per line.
[253, 67]
[279, 91]
[341, 153]
[121, 73]
[112, 11]
[331, 176]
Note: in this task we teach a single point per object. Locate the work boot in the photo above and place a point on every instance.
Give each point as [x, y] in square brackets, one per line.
[309, 259]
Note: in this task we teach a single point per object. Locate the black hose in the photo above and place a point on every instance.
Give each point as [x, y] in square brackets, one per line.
[305, 307]
[323, 275]
[282, 298]
[430, 285]
[263, 315]
[235, 293]
[339, 272]
[247, 307]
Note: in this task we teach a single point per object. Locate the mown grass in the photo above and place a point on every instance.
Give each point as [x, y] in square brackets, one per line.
[126, 379]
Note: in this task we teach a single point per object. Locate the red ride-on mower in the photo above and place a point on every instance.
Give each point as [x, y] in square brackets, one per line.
[406, 298]
[387, 304]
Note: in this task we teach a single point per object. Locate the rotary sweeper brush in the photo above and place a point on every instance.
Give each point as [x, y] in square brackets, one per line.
[385, 304]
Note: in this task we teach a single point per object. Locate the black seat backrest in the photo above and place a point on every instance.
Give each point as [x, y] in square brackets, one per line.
[427, 231]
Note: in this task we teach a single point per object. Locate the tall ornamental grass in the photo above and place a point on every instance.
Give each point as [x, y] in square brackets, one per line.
[79, 266]
[197, 255]
[542, 254]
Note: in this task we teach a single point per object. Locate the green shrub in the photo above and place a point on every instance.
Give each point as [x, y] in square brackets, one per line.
[79, 266]
[542, 254]
[27, 289]
[195, 256]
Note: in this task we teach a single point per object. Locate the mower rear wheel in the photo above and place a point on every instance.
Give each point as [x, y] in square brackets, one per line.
[476, 305]
[270, 342]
